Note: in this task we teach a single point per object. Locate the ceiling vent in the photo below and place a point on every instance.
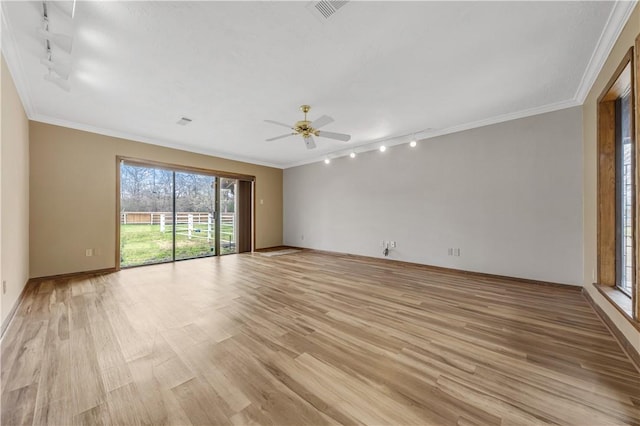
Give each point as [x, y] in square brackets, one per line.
[325, 9]
[184, 121]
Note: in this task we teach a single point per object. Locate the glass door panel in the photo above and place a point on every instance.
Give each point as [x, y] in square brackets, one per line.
[195, 220]
[228, 215]
[168, 215]
[146, 206]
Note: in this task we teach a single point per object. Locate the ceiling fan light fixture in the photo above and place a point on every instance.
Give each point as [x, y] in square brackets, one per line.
[308, 129]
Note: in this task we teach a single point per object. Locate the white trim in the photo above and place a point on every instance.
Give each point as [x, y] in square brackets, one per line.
[153, 141]
[14, 62]
[397, 140]
[616, 21]
[618, 18]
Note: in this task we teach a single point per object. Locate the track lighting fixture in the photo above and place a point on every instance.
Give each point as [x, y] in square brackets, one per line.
[61, 83]
[58, 72]
[62, 70]
[61, 40]
[380, 145]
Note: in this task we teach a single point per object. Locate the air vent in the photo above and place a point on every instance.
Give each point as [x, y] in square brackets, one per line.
[325, 9]
[184, 121]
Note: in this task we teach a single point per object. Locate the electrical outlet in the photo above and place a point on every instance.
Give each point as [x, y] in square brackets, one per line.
[449, 252]
[88, 252]
[382, 243]
[4, 286]
[393, 244]
[457, 252]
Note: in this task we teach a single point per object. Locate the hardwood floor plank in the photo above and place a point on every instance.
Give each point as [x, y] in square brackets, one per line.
[310, 338]
[87, 387]
[25, 369]
[18, 406]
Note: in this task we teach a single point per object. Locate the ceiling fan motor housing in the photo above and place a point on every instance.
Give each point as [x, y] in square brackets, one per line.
[304, 128]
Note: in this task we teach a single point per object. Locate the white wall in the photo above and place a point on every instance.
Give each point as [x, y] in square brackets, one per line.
[508, 195]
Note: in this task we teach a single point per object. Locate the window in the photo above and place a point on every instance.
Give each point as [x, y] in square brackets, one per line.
[617, 189]
[624, 193]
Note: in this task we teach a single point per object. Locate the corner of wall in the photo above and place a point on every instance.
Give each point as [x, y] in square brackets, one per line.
[14, 194]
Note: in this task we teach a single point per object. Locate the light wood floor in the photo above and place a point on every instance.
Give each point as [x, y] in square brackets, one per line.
[307, 339]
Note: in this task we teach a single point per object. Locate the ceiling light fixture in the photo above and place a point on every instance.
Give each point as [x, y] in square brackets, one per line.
[63, 41]
[327, 161]
[60, 82]
[380, 144]
[62, 70]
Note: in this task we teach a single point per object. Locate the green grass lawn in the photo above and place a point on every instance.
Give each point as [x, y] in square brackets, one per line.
[144, 244]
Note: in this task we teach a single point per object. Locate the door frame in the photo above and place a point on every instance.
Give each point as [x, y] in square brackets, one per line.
[181, 168]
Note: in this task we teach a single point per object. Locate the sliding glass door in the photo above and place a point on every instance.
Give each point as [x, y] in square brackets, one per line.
[169, 214]
[146, 215]
[228, 215]
[195, 217]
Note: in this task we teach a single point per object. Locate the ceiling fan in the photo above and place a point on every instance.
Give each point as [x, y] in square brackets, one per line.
[308, 129]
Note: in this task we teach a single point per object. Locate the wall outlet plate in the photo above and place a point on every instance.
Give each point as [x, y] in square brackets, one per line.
[88, 252]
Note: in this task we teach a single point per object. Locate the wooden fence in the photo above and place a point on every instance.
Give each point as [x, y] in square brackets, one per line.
[185, 222]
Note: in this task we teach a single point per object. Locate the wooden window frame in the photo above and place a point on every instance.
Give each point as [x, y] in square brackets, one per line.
[626, 74]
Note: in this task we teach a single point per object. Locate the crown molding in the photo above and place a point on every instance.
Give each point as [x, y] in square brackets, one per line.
[398, 140]
[152, 141]
[616, 21]
[14, 63]
[618, 18]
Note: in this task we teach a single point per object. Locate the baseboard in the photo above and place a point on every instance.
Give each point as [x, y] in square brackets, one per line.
[32, 281]
[14, 309]
[274, 248]
[73, 275]
[627, 347]
[448, 270]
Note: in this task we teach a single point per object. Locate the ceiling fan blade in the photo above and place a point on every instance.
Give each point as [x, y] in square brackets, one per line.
[279, 124]
[310, 142]
[321, 122]
[332, 135]
[280, 137]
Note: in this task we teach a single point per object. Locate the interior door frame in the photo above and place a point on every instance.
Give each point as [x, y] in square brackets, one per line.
[180, 168]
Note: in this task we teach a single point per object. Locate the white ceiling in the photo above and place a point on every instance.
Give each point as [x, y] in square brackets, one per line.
[380, 69]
